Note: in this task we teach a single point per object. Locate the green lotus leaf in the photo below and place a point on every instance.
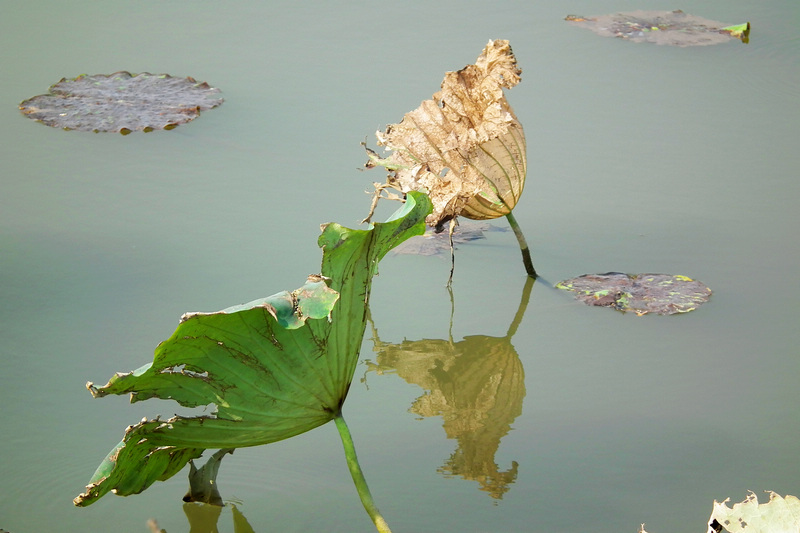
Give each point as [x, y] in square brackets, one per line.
[267, 370]
[203, 486]
[134, 464]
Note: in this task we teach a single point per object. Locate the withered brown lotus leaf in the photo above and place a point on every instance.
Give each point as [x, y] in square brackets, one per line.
[464, 146]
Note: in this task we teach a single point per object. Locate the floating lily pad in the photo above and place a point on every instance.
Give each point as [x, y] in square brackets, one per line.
[674, 28]
[662, 294]
[122, 102]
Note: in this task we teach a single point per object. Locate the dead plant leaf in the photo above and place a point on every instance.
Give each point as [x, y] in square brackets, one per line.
[464, 147]
[779, 515]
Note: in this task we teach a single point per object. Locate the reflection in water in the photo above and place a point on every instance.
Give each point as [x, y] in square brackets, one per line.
[476, 385]
[203, 518]
[203, 503]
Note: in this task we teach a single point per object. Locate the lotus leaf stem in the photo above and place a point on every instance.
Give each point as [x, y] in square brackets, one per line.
[358, 476]
[523, 246]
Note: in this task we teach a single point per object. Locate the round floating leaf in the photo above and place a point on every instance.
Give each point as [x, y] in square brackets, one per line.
[122, 102]
[674, 28]
[662, 294]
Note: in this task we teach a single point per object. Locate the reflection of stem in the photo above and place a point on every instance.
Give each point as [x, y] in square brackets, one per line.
[523, 246]
[452, 313]
[523, 304]
[358, 476]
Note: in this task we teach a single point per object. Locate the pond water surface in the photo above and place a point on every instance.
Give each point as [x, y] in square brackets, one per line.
[642, 158]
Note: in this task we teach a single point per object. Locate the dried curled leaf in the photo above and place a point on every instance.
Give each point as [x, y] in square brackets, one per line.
[464, 147]
[662, 294]
[122, 102]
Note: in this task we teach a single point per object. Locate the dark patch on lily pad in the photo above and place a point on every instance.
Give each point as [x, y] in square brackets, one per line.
[122, 102]
[674, 28]
[662, 294]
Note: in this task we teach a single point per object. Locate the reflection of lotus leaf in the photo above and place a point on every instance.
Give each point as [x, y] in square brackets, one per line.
[674, 28]
[476, 385]
[122, 102]
[205, 517]
[662, 294]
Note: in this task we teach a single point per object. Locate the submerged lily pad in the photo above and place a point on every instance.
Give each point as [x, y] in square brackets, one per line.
[433, 243]
[662, 294]
[674, 28]
[122, 102]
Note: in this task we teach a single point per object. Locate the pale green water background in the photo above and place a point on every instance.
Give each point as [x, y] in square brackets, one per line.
[642, 158]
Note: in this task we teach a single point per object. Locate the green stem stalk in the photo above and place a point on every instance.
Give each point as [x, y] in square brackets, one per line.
[523, 246]
[358, 476]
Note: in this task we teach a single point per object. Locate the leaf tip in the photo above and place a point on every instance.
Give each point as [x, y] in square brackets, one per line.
[95, 392]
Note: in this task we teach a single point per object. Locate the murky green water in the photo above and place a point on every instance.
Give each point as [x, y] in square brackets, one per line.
[641, 158]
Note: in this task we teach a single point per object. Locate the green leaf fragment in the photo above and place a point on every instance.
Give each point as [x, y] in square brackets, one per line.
[134, 464]
[270, 369]
[203, 481]
[740, 31]
[291, 309]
